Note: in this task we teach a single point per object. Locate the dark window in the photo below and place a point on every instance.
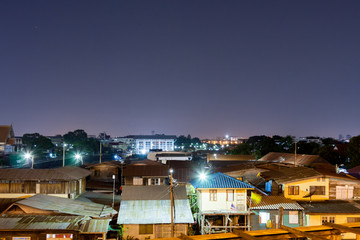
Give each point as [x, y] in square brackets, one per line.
[317, 190]
[145, 228]
[293, 190]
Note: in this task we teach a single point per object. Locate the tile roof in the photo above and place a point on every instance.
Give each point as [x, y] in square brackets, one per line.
[154, 212]
[67, 206]
[274, 202]
[64, 173]
[44, 222]
[152, 192]
[332, 206]
[219, 180]
[5, 132]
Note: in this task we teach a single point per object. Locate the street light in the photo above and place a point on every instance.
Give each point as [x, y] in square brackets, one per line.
[202, 176]
[29, 156]
[78, 157]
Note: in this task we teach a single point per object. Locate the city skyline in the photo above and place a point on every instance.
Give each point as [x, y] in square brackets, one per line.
[205, 68]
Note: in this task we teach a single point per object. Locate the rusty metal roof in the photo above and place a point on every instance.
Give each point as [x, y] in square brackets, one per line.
[60, 174]
[146, 168]
[67, 206]
[152, 192]
[42, 222]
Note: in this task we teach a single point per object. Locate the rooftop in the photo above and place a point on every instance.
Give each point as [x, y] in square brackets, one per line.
[64, 173]
[219, 180]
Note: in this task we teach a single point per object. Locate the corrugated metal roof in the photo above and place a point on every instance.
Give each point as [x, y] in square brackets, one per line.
[221, 157]
[68, 206]
[154, 212]
[60, 174]
[152, 192]
[41, 222]
[332, 206]
[219, 180]
[275, 202]
[146, 168]
[289, 158]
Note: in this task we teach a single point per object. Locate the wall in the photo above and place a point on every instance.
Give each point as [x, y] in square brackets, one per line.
[159, 231]
[221, 203]
[304, 189]
[315, 219]
[256, 225]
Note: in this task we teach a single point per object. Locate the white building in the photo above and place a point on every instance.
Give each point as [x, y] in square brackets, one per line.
[144, 143]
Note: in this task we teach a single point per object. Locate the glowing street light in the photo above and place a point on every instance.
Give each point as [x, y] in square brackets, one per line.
[78, 157]
[202, 176]
[64, 145]
[29, 156]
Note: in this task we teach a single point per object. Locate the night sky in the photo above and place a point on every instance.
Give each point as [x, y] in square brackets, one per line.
[207, 68]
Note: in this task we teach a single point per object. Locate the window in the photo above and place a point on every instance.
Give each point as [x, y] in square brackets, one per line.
[155, 181]
[137, 181]
[229, 195]
[344, 192]
[213, 194]
[328, 219]
[293, 190]
[264, 217]
[353, 219]
[293, 217]
[317, 190]
[97, 173]
[145, 229]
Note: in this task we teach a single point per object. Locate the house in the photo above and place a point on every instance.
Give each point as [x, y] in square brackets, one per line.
[49, 217]
[67, 182]
[142, 144]
[169, 156]
[333, 211]
[222, 202]
[101, 177]
[49, 205]
[7, 139]
[293, 159]
[307, 184]
[266, 213]
[52, 227]
[145, 212]
[145, 172]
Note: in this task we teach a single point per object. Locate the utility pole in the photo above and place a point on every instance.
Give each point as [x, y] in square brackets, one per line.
[64, 145]
[172, 202]
[113, 203]
[100, 151]
[295, 155]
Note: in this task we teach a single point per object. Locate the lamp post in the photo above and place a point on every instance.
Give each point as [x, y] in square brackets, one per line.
[78, 157]
[172, 201]
[28, 156]
[113, 203]
[100, 151]
[64, 145]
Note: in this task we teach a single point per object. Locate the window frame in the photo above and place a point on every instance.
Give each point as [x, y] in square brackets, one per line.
[318, 191]
[231, 191]
[213, 195]
[293, 190]
[145, 229]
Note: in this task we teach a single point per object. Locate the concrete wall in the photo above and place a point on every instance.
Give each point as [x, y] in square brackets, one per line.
[221, 202]
[304, 189]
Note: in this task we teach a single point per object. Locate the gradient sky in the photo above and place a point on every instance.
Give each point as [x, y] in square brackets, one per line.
[207, 68]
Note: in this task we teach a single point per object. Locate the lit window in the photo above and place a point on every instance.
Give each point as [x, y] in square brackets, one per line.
[213, 194]
[293, 190]
[293, 217]
[229, 195]
[264, 217]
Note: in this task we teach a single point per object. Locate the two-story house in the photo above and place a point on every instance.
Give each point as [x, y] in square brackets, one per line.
[307, 184]
[145, 172]
[222, 203]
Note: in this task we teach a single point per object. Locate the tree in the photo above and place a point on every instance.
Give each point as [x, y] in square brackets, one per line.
[37, 143]
[80, 141]
[353, 151]
[262, 145]
[241, 149]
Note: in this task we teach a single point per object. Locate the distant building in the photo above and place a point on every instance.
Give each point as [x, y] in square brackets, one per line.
[7, 139]
[142, 144]
[169, 156]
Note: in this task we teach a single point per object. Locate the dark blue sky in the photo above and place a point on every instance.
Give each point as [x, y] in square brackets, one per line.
[207, 68]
